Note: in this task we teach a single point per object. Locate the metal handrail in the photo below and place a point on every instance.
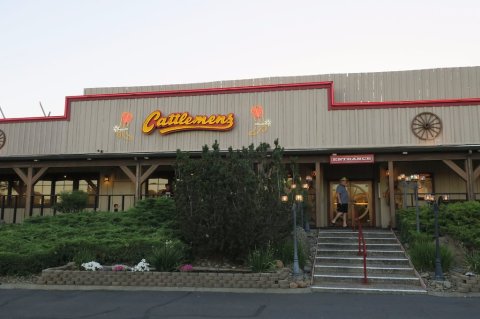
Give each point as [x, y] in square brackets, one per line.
[361, 244]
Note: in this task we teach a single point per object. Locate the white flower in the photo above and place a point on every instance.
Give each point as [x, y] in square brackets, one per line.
[93, 266]
[142, 266]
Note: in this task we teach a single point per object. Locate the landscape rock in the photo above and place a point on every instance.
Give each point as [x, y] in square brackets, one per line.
[279, 264]
[293, 285]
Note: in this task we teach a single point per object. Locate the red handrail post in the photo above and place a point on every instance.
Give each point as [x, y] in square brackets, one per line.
[361, 240]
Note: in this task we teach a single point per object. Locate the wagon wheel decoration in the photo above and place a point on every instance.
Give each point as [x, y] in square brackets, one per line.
[3, 139]
[426, 126]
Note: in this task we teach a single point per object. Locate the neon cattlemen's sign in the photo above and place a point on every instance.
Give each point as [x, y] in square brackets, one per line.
[183, 121]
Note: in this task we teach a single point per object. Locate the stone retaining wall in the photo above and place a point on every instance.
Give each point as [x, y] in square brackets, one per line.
[466, 283]
[59, 276]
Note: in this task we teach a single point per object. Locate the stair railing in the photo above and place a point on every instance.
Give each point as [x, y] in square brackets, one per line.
[362, 250]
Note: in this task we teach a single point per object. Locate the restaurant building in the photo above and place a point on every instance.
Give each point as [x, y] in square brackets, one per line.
[119, 144]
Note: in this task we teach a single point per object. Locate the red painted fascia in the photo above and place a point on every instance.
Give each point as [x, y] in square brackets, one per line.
[332, 105]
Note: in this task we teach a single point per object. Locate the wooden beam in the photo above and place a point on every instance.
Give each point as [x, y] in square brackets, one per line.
[476, 173]
[92, 185]
[456, 168]
[39, 174]
[84, 163]
[414, 157]
[129, 173]
[21, 174]
[149, 172]
[391, 187]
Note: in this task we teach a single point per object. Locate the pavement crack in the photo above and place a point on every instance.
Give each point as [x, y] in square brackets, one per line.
[147, 313]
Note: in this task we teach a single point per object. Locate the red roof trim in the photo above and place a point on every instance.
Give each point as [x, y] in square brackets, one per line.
[332, 105]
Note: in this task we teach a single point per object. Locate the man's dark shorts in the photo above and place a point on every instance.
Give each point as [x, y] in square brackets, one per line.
[342, 208]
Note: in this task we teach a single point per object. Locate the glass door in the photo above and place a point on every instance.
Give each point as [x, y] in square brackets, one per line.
[359, 205]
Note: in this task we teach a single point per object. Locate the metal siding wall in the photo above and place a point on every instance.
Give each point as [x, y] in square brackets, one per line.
[300, 119]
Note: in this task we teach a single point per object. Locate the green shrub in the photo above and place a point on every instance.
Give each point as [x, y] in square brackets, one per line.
[261, 260]
[83, 256]
[458, 220]
[72, 202]
[420, 238]
[284, 252]
[109, 238]
[422, 254]
[473, 261]
[168, 256]
[157, 212]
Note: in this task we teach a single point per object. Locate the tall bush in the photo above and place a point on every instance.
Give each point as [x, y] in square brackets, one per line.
[227, 204]
[72, 202]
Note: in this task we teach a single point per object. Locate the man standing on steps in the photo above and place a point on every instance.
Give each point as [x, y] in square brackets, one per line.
[342, 202]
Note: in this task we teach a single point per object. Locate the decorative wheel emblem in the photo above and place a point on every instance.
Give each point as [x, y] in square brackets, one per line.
[426, 126]
[3, 139]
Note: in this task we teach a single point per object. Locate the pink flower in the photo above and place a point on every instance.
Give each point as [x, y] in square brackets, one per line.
[186, 267]
[118, 268]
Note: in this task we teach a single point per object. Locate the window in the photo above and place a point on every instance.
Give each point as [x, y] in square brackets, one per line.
[156, 186]
[90, 187]
[42, 192]
[63, 186]
[425, 185]
[3, 188]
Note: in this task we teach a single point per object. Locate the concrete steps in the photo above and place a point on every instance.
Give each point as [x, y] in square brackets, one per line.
[338, 268]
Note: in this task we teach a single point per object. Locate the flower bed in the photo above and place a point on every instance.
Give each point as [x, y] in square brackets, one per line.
[64, 276]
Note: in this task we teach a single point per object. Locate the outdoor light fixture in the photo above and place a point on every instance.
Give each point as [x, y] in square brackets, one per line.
[438, 262]
[298, 198]
[106, 179]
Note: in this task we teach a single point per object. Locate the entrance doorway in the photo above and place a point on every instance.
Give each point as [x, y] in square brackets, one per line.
[359, 205]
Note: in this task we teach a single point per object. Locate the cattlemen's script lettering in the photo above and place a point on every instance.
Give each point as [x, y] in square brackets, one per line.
[184, 121]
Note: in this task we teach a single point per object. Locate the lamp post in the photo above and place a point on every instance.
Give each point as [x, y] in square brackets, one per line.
[297, 200]
[306, 220]
[438, 262]
[411, 182]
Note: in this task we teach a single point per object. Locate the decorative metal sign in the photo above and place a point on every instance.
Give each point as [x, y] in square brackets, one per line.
[177, 122]
[352, 159]
[261, 125]
[121, 130]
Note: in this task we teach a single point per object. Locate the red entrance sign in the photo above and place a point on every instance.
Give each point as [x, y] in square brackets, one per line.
[352, 159]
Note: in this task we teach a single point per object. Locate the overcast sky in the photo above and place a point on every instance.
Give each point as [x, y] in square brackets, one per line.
[51, 49]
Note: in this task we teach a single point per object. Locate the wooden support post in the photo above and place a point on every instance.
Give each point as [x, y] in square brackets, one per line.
[470, 179]
[138, 182]
[29, 180]
[391, 187]
[320, 220]
[138, 178]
